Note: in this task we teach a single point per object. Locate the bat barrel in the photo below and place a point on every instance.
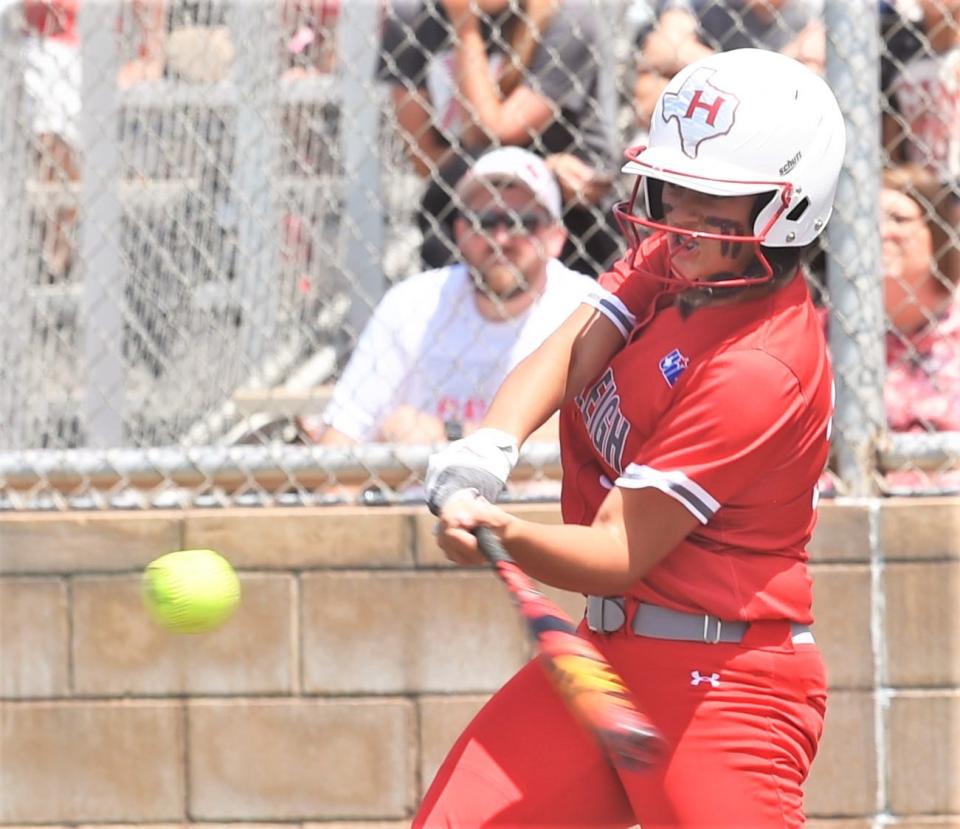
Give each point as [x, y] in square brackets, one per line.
[582, 676]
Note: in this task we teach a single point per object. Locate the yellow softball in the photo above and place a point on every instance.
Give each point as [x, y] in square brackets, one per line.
[190, 591]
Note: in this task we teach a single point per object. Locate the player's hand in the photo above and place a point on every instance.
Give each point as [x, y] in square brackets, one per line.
[464, 512]
[481, 461]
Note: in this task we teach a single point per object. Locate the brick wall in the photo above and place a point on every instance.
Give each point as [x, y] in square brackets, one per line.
[357, 655]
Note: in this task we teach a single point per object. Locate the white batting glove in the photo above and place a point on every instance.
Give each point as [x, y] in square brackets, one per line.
[481, 462]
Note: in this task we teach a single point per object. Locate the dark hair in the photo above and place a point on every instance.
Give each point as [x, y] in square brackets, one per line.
[783, 260]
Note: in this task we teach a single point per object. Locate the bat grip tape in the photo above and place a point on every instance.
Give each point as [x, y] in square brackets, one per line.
[490, 545]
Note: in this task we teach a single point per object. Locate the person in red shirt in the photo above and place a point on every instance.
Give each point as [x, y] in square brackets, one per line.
[695, 396]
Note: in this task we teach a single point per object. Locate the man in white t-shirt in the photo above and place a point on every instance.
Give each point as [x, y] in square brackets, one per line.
[439, 343]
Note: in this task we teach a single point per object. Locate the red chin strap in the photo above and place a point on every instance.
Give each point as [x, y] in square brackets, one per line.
[631, 224]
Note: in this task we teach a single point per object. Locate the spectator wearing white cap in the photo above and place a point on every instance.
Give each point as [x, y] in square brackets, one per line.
[440, 342]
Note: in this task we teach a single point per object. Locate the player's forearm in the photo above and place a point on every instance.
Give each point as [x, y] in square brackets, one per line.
[572, 557]
[633, 530]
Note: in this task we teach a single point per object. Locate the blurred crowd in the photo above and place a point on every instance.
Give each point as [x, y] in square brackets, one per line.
[464, 77]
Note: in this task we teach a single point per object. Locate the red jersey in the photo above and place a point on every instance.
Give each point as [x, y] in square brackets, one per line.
[727, 410]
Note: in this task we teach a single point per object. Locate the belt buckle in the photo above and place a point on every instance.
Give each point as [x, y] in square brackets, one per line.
[711, 640]
[606, 614]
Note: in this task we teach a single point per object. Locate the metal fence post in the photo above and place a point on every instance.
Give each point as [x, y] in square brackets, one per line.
[854, 263]
[608, 58]
[361, 229]
[256, 74]
[14, 299]
[101, 304]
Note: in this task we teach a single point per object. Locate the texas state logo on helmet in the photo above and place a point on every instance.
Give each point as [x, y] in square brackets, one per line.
[700, 110]
[745, 122]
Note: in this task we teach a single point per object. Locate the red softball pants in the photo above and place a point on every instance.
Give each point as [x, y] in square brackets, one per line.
[742, 722]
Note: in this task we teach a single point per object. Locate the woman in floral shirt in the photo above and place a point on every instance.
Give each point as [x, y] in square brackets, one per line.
[922, 302]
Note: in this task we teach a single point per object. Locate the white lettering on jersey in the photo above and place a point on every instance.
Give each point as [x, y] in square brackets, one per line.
[606, 425]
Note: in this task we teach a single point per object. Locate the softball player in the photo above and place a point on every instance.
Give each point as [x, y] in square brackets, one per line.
[695, 397]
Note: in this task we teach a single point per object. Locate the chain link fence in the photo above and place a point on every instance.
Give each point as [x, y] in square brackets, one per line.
[205, 201]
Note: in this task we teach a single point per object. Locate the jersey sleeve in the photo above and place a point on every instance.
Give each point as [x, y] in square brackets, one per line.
[738, 417]
[604, 298]
[368, 390]
[627, 292]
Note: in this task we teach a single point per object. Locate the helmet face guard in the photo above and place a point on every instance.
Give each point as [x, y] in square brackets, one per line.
[631, 222]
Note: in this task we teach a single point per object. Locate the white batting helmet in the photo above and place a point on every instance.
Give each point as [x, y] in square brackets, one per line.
[744, 122]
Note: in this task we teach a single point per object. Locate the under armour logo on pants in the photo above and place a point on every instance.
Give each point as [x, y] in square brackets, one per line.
[696, 679]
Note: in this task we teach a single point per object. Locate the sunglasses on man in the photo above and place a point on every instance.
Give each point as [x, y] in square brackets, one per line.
[515, 223]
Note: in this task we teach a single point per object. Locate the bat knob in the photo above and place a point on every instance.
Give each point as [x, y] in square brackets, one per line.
[638, 748]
